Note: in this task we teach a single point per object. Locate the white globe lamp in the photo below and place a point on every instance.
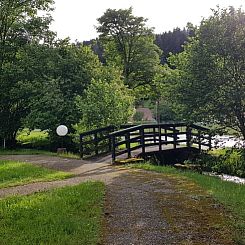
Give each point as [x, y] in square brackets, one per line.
[62, 130]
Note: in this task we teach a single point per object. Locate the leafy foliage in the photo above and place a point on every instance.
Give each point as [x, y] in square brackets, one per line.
[209, 81]
[129, 44]
[104, 104]
[70, 70]
[229, 161]
[20, 26]
[172, 42]
[33, 139]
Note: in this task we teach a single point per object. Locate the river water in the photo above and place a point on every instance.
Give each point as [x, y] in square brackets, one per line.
[227, 177]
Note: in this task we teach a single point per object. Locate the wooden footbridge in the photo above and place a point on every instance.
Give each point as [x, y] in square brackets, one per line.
[129, 140]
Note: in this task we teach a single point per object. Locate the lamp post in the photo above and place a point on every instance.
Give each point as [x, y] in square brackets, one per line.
[62, 131]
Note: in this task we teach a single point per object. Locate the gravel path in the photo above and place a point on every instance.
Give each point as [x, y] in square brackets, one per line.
[83, 171]
[145, 208]
[141, 208]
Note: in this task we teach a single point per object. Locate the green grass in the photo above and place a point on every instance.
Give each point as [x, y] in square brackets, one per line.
[34, 138]
[231, 195]
[38, 152]
[70, 215]
[69, 155]
[26, 152]
[14, 173]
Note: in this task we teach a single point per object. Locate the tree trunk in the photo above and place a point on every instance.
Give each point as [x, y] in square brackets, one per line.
[10, 140]
[241, 123]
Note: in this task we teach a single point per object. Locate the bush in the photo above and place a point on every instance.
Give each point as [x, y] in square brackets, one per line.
[229, 161]
[138, 116]
[33, 139]
[104, 104]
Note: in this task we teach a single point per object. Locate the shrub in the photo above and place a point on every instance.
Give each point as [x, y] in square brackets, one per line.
[229, 161]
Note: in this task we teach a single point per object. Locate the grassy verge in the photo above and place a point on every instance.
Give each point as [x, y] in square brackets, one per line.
[70, 215]
[38, 152]
[14, 173]
[231, 195]
[26, 152]
[69, 155]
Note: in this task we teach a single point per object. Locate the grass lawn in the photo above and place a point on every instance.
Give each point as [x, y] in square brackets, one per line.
[38, 152]
[14, 173]
[69, 215]
[34, 138]
[26, 152]
[231, 195]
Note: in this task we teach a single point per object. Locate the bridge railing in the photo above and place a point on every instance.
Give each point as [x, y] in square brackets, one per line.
[146, 135]
[132, 137]
[97, 141]
[200, 136]
[142, 136]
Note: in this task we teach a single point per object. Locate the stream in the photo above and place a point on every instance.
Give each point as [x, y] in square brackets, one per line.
[227, 177]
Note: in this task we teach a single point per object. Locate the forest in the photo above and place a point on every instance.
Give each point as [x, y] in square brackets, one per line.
[193, 75]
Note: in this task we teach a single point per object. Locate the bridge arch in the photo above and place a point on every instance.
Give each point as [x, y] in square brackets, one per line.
[145, 137]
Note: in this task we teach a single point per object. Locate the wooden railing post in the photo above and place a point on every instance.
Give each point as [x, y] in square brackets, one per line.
[109, 144]
[110, 130]
[166, 136]
[175, 137]
[160, 137]
[127, 138]
[142, 139]
[199, 141]
[96, 143]
[113, 148]
[154, 135]
[188, 136]
[209, 141]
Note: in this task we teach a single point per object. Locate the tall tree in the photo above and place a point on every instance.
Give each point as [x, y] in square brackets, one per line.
[64, 72]
[129, 44]
[172, 42]
[211, 71]
[20, 26]
[105, 103]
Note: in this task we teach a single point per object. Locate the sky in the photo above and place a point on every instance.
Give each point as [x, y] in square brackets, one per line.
[77, 18]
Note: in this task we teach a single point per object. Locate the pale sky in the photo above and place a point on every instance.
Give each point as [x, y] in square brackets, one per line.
[76, 18]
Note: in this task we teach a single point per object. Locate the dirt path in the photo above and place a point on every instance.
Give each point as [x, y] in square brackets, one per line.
[145, 208]
[83, 171]
[142, 208]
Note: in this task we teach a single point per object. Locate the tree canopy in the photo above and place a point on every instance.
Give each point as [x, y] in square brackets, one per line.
[20, 26]
[211, 71]
[105, 103]
[130, 45]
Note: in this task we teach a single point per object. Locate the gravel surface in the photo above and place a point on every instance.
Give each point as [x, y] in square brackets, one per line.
[141, 208]
[83, 171]
[145, 208]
